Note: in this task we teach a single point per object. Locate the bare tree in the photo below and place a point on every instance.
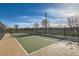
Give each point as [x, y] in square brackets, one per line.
[36, 25]
[73, 22]
[45, 23]
[76, 23]
[16, 27]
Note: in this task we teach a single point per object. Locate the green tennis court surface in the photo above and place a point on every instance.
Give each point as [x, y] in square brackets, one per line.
[33, 43]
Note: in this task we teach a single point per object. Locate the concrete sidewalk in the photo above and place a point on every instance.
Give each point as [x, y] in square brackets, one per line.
[10, 47]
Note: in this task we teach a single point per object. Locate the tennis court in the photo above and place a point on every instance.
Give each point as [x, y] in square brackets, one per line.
[33, 43]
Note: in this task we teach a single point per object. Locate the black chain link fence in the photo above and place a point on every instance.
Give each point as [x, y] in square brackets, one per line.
[2, 30]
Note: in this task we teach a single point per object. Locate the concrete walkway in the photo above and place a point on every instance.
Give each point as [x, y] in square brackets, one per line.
[10, 47]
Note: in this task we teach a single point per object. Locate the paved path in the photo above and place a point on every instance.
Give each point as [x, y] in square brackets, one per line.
[10, 47]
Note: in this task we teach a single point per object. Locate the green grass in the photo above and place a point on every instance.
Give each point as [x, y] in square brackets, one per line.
[33, 43]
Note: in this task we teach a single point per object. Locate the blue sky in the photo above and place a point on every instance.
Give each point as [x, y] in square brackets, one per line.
[26, 15]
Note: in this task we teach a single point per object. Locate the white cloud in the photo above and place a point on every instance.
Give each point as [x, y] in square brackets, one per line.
[58, 25]
[66, 10]
[30, 19]
[27, 21]
[62, 13]
[23, 16]
[38, 19]
[22, 25]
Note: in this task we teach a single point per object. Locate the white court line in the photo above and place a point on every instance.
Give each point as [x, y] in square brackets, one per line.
[21, 46]
[40, 49]
[44, 47]
[36, 50]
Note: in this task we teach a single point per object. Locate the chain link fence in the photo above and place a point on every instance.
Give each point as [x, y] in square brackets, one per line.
[2, 30]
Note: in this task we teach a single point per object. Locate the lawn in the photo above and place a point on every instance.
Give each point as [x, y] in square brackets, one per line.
[33, 43]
